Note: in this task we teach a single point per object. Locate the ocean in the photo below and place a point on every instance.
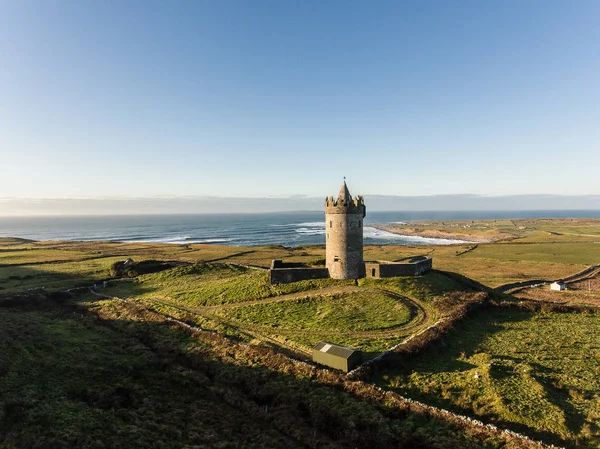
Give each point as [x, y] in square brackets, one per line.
[288, 229]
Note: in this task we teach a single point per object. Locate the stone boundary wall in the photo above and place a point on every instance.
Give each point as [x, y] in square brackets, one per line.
[287, 275]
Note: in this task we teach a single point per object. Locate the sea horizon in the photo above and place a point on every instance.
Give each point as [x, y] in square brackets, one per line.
[292, 228]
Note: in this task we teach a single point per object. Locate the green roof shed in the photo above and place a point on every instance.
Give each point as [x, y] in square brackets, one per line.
[336, 356]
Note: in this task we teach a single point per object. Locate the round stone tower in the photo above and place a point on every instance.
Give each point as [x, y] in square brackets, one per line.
[344, 235]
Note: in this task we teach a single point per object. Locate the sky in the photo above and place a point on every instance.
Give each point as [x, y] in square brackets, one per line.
[113, 99]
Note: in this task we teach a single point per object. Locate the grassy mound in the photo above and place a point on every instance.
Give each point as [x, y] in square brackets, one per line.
[211, 284]
[359, 311]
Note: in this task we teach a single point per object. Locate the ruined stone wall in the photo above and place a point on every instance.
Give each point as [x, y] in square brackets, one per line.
[344, 243]
[287, 275]
[386, 270]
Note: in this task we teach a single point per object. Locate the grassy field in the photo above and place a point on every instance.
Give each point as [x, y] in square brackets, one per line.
[372, 316]
[538, 373]
[213, 284]
[115, 375]
[532, 372]
[366, 318]
[526, 249]
[68, 382]
[522, 230]
[364, 310]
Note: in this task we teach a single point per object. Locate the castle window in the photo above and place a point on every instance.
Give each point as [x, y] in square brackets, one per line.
[330, 224]
[359, 224]
[328, 235]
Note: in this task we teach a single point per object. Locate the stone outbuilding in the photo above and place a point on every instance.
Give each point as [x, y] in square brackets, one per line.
[558, 285]
[336, 356]
[412, 267]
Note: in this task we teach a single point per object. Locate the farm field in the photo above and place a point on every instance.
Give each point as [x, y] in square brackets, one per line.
[506, 230]
[537, 373]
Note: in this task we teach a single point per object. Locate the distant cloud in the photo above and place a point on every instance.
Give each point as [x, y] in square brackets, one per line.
[212, 204]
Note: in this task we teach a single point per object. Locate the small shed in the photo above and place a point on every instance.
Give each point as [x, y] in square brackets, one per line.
[336, 356]
[558, 285]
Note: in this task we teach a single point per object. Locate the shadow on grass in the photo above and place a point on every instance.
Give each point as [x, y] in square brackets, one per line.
[119, 376]
[16, 279]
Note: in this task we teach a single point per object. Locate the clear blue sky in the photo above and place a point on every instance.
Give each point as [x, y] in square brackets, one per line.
[261, 98]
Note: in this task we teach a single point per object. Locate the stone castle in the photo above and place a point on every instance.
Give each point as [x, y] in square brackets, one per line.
[344, 235]
[344, 248]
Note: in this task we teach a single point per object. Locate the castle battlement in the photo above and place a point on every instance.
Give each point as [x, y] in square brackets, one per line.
[345, 204]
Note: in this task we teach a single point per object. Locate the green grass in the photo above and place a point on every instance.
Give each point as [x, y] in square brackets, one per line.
[552, 256]
[565, 253]
[538, 373]
[202, 285]
[67, 382]
[116, 375]
[54, 276]
[367, 319]
[425, 288]
[358, 311]
[322, 309]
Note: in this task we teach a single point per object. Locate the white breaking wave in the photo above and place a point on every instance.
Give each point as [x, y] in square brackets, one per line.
[179, 240]
[172, 239]
[209, 240]
[312, 224]
[307, 231]
[375, 233]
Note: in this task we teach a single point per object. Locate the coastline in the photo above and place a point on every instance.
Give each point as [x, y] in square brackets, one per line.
[433, 234]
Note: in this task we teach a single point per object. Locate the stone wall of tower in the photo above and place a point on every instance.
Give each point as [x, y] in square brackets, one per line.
[344, 241]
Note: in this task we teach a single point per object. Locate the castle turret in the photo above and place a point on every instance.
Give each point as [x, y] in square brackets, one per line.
[344, 235]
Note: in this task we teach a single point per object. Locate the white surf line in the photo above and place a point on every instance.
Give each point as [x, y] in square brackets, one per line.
[416, 238]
